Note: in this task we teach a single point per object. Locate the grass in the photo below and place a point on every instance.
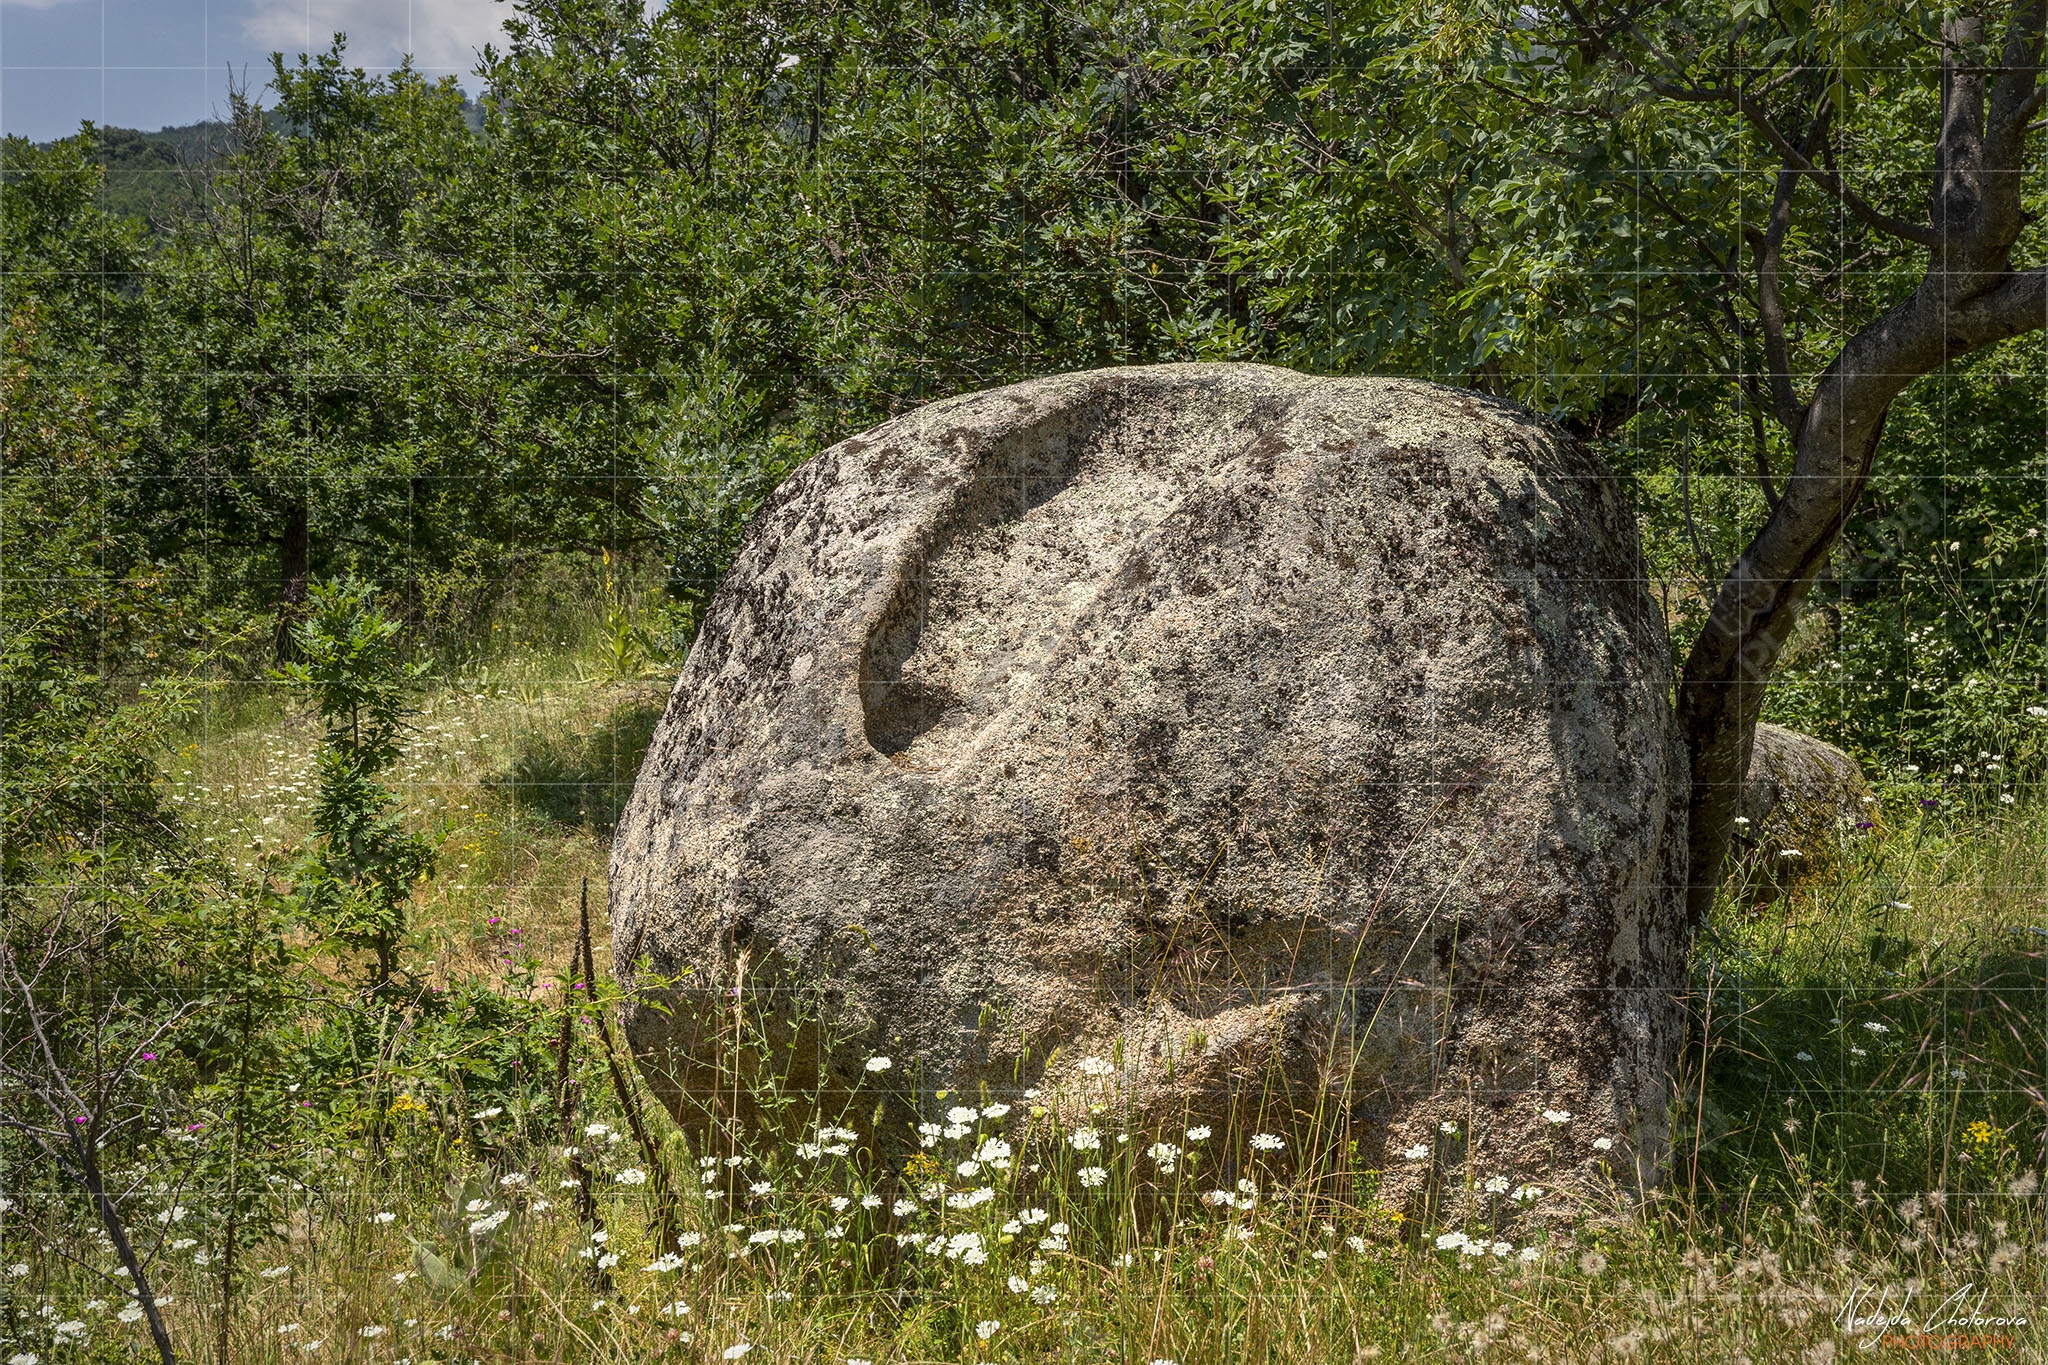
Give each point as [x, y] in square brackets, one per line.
[1862, 1116]
[517, 777]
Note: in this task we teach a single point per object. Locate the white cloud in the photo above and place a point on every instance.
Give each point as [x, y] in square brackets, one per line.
[440, 34]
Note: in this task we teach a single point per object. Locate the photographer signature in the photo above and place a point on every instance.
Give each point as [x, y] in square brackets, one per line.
[1878, 1316]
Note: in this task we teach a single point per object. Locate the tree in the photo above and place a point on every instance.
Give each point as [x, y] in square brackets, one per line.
[87, 844]
[1788, 76]
[84, 1021]
[286, 437]
[355, 885]
[1690, 229]
[80, 617]
[1667, 224]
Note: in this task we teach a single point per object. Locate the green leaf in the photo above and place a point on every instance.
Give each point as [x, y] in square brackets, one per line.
[436, 1271]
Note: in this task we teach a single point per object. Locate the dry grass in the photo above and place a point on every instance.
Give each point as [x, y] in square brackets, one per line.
[1833, 1169]
[517, 779]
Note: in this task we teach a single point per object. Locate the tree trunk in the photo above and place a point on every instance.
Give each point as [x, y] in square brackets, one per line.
[1969, 298]
[110, 1219]
[1722, 693]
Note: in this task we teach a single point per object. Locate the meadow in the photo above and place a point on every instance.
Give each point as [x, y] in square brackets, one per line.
[305, 1054]
[476, 1175]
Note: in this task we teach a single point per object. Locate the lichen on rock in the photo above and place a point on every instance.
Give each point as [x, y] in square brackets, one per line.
[1802, 802]
[1212, 743]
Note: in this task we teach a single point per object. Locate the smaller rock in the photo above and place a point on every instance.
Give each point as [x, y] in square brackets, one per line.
[1802, 801]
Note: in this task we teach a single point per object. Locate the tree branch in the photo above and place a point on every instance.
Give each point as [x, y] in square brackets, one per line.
[1752, 110]
[1958, 188]
[1760, 452]
[1785, 404]
[1699, 547]
[2015, 99]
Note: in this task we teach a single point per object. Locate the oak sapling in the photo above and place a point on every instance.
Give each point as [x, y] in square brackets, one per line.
[356, 881]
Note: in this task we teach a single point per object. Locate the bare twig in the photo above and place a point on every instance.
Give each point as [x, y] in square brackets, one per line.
[565, 1093]
[76, 1126]
[629, 1098]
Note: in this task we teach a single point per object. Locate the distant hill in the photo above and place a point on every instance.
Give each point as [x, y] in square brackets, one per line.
[156, 177]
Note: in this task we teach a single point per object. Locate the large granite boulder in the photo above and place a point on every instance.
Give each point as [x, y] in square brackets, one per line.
[1802, 803]
[1213, 743]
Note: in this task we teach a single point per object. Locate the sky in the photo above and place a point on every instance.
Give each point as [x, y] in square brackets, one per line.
[152, 64]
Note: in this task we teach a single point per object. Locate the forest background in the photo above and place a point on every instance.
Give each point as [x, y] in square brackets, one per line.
[374, 397]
